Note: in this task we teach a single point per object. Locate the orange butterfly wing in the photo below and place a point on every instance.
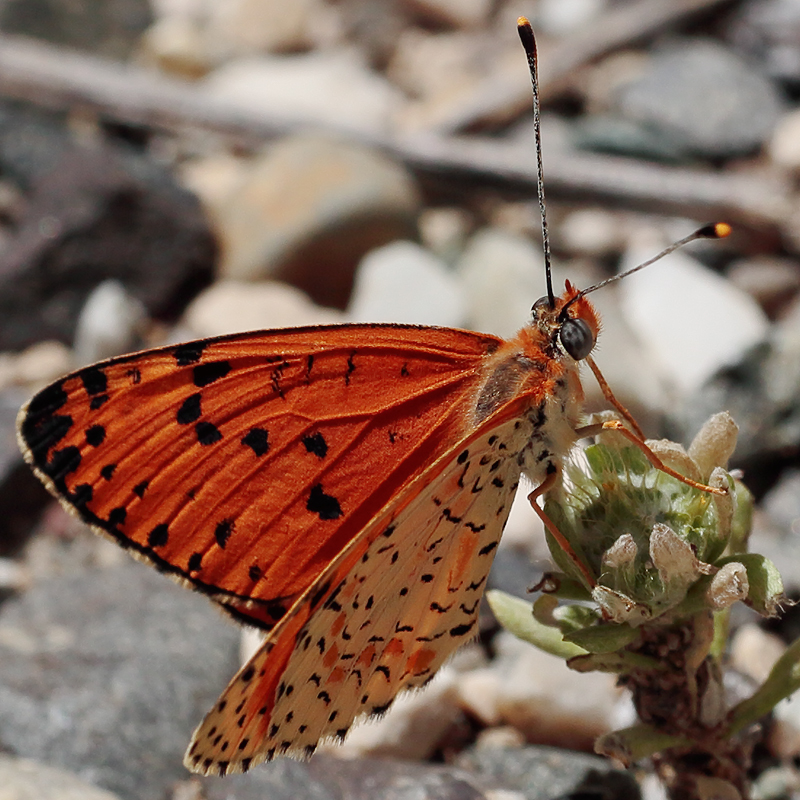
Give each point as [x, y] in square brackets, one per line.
[244, 465]
[383, 616]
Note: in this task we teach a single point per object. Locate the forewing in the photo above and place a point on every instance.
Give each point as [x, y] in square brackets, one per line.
[245, 464]
[382, 618]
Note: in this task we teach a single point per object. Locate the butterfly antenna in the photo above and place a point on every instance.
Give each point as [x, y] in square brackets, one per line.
[529, 43]
[716, 230]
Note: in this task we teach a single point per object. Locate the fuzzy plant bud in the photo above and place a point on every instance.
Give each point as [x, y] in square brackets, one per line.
[728, 585]
[715, 442]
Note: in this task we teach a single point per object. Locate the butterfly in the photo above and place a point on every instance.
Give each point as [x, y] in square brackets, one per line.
[341, 488]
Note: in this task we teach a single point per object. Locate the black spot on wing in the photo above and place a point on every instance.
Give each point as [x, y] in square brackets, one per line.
[189, 353]
[117, 516]
[107, 471]
[140, 489]
[61, 464]
[43, 433]
[159, 536]
[204, 374]
[95, 435]
[81, 495]
[315, 443]
[190, 410]
[195, 562]
[98, 401]
[254, 573]
[462, 630]
[223, 531]
[257, 439]
[325, 505]
[94, 380]
[207, 433]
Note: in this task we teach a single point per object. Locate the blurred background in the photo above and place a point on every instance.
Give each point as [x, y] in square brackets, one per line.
[176, 169]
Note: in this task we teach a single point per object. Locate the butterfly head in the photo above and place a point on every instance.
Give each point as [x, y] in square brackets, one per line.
[571, 320]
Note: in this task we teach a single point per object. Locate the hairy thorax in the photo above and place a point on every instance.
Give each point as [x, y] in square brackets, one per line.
[533, 379]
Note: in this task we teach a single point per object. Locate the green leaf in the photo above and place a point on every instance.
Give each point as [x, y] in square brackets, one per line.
[604, 638]
[618, 663]
[516, 616]
[783, 680]
[766, 586]
[635, 743]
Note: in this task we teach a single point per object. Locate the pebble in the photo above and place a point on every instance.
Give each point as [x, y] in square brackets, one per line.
[754, 651]
[456, 77]
[769, 32]
[782, 503]
[330, 88]
[784, 145]
[109, 323]
[35, 365]
[562, 17]
[692, 321]
[101, 212]
[176, 45]
[773, 282]
[502, 274]
[307, 210]
[593, 232]
[25, 779]
[546, 773]
[106, 29]
[232, 306]
[695, 91]
[545, 700]
[444, 231]
[404, 282]
[105, 673]
[263, 26]
[413, 728]
[451, 13]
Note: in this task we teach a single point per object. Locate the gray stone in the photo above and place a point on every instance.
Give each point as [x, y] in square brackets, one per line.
[23, 779]
[106, 673]
[107, 27]
[545, 773]
[711, 102]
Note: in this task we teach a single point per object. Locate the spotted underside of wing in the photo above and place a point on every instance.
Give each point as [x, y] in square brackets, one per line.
[382, 617]
[245, 465]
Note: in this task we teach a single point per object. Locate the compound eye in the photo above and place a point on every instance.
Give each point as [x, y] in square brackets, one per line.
[541, 304]
[576, 336]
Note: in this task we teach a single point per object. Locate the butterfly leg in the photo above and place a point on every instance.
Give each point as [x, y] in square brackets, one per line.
[609, 395]
[617, 426]
[543, 487]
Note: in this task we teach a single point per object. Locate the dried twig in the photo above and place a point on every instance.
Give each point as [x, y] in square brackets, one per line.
[51, 76]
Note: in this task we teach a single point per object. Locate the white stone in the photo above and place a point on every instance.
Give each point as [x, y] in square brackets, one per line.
[265, 25]
[692, 321]
[503, 274]
[176, 44]
[754, 651]
[403, 282]
[108, 323]
[547, 701]
[234, 306]
[784, 146]
[42, 363]
[327, 88]
[559, 17]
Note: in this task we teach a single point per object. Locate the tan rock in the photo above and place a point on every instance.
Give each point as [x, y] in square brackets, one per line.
[308, 209]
